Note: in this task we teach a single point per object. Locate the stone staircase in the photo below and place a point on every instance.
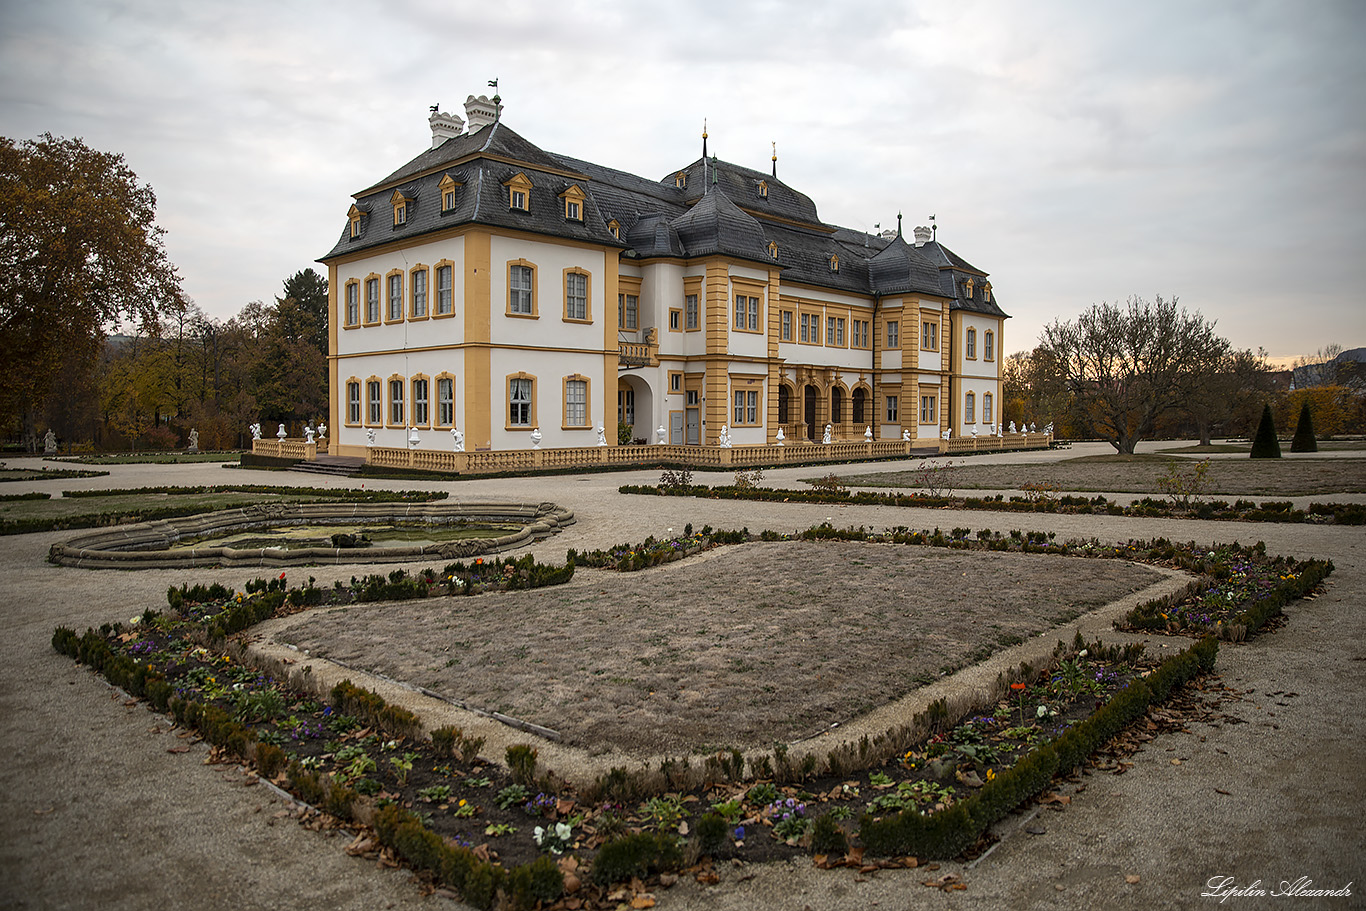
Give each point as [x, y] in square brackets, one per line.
[336, 466]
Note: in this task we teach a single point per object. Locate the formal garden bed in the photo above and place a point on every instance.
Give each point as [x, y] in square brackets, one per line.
[511, 830]
[43, 473]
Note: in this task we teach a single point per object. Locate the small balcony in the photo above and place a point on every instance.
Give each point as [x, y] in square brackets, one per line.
[643, 353]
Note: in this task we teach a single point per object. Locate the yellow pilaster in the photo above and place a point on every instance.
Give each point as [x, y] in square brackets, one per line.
[477, 380]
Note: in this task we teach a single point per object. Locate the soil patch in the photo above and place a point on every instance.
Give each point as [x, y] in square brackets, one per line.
[737, 647]
[1139, 474]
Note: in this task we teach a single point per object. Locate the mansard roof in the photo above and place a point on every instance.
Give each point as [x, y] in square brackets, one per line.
[721, 209]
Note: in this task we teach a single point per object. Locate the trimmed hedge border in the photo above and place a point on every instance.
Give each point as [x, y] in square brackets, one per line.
[948, 833]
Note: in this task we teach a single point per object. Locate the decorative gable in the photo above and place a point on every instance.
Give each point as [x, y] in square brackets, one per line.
[573, 203]
[448, 187]
[519, 192]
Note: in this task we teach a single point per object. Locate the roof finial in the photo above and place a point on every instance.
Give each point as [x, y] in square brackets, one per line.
[934, 228]
[775, 159]
[704, 144]
[713, 170]
[898, 224]
[497, 111]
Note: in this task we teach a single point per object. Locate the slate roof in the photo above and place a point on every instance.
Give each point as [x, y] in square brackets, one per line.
[720, 210]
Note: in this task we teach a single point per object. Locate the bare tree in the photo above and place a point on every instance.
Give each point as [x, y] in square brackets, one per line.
[1229, 394]
[1127, 366]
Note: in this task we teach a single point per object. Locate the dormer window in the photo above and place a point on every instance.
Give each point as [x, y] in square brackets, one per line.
[573, 203]
[615, 227]
[834, 262]
[986, 294]
[763, 189]
[356, 214]
[400, 202]
[967, 289]
[773, 249]
[519, 192]
[681, 180]
[448, 187]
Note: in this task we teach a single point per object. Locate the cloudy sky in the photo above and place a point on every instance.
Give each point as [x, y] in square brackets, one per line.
[1077, 151]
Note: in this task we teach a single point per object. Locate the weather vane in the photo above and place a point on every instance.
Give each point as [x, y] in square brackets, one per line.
[934, 228]
[494, 84]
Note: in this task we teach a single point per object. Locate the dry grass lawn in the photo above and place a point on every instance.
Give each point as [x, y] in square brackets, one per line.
[740, 646]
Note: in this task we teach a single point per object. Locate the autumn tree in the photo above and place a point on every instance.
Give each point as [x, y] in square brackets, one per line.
[80, 253]
[1126, 366]
[1228, 394]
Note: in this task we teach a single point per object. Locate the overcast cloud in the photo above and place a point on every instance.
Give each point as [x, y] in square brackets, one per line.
[1077, 151]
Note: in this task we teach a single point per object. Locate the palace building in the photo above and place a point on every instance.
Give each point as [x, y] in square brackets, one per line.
[492, 287]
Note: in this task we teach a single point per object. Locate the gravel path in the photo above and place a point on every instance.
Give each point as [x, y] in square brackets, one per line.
[97, 812]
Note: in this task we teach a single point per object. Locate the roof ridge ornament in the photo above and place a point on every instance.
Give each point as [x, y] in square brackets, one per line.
[775, 158]
[704, 148]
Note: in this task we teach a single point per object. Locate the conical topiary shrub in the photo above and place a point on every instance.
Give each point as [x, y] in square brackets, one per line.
[1265, 445]
[1304, 440]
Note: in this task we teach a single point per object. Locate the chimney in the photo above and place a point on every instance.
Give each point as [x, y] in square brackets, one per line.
[923, 235]
[444, 126]
[480, 112]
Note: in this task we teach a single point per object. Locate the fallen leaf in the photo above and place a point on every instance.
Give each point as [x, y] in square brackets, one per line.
[707, 878]
[1222, 791]
[668, 879]
[643, 901]
[1131, 878]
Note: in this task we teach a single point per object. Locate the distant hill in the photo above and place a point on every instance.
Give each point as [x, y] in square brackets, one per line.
[1348, 369]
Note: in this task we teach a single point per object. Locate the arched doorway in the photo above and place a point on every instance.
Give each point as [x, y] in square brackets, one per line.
[809, 411]
[784, 404]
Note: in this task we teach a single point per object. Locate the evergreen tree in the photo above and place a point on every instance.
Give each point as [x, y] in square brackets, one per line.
[1305, 440]
[1265, 445]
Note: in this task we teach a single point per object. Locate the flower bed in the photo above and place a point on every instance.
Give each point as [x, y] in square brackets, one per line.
[514, 831]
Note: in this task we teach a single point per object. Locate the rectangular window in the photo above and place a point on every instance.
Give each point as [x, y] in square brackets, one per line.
[986, 403]
[834, 331]
[811, 329]
[739, 311]
[972, 343]
[352, 304]
[444, 303]
[395, 297]
[519, 199]
[372, 300]
[859, 336]
[519, 397]
[927, 410]
[675, 319]
[576, 403]
[690, 315]
[626, 406]
[891, 410]
[988, 346]
[396, 402]
[353, 401]
[400, 214]
[445, 401]
[746, 407]
[893, 334]
[420, 389]
[519, 281]
[375, 408]
[754, 314]
[785, 326]
[746, 313]
[447, 200]
[970, 408]
[675, 381]
[929, 335]
[571, 211]
[628, 311]
[575, 295]
[419, 294]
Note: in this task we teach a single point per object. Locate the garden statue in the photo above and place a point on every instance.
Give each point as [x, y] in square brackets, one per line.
[281, 434]
[194, 441]
[905, 436]
[868, 434]
[602, 434]
[662, 434]
[724, 439]
[308, 434]
[974, 431]
[826, 437]
[1012, 426]
[49, 441]
[255, 430]
[1048, 428]
[412, 437]
[1033, 428]
[458, 437]
[991, 429]
[535, 438]
[781, 437]
[1000, 430]
[945, 434]
[370, 437]
[322, 430]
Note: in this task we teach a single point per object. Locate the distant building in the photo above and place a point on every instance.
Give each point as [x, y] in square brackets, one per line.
[494, 287]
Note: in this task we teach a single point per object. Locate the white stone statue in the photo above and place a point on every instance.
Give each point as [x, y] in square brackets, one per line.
[309, 433]
[781, 437]
[322, 430]
[602, 434]
[458, 438]
[1048, 428]
[825, 439]
[724, 439]
[945, 434]
[412, 437]
[255, 430]
[281, 434]
[370, 437]
[974, 431]
[1000, 430]
[905, 436]
[49, 441]
[662, 434]
[536, 438]
[1033, 428]
[194, 440]
[868, 435]
[1012, 426]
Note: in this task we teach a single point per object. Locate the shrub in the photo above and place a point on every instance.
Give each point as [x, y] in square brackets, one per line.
[1265, 445]
[521, 760]
[1304, 440]
[712, 831]
[636, 855]
[827, 837]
